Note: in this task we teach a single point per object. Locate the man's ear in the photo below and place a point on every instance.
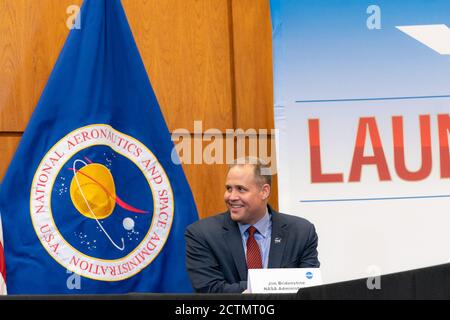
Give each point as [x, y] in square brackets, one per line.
[265, 191]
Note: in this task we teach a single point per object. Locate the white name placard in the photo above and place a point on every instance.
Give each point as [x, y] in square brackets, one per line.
[282, 280]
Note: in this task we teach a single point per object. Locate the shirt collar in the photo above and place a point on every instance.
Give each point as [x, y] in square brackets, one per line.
[262, 225]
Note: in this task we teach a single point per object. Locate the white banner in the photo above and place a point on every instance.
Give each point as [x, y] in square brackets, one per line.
[362, 110]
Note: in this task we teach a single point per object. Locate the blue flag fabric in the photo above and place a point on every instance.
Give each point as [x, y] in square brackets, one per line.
[92, 202]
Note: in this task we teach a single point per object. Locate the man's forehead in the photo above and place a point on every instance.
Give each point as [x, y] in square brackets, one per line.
[240, 181]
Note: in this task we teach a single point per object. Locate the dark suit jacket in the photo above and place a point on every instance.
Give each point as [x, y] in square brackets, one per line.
[215, 257]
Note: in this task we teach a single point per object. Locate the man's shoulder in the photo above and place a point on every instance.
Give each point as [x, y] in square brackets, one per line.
[209, 223]
[295, 221]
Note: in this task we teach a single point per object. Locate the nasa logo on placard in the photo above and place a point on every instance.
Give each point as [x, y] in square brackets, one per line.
[101, 203]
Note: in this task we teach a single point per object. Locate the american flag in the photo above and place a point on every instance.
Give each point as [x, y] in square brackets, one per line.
[2, 263]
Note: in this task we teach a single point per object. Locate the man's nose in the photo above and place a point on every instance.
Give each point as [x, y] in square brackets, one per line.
[234, 195]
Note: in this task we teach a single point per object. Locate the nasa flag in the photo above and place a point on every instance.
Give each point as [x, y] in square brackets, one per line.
[92, 202]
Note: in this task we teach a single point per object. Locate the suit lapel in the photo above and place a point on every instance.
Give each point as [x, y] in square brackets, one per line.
[278, 241]
[233, 238]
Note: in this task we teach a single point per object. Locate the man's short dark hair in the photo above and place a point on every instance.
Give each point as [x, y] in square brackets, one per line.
[261, 170]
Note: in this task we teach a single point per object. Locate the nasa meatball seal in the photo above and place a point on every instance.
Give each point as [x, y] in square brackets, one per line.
[42, 215]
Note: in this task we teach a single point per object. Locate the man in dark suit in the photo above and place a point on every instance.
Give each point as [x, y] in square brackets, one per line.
[220, 249]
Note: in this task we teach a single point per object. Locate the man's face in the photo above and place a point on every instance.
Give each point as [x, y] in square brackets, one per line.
[245, 198]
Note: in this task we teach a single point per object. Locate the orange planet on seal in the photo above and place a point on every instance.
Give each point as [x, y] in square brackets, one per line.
[93, 191]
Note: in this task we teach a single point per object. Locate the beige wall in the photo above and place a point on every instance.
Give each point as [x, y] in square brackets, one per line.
[208, 60]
